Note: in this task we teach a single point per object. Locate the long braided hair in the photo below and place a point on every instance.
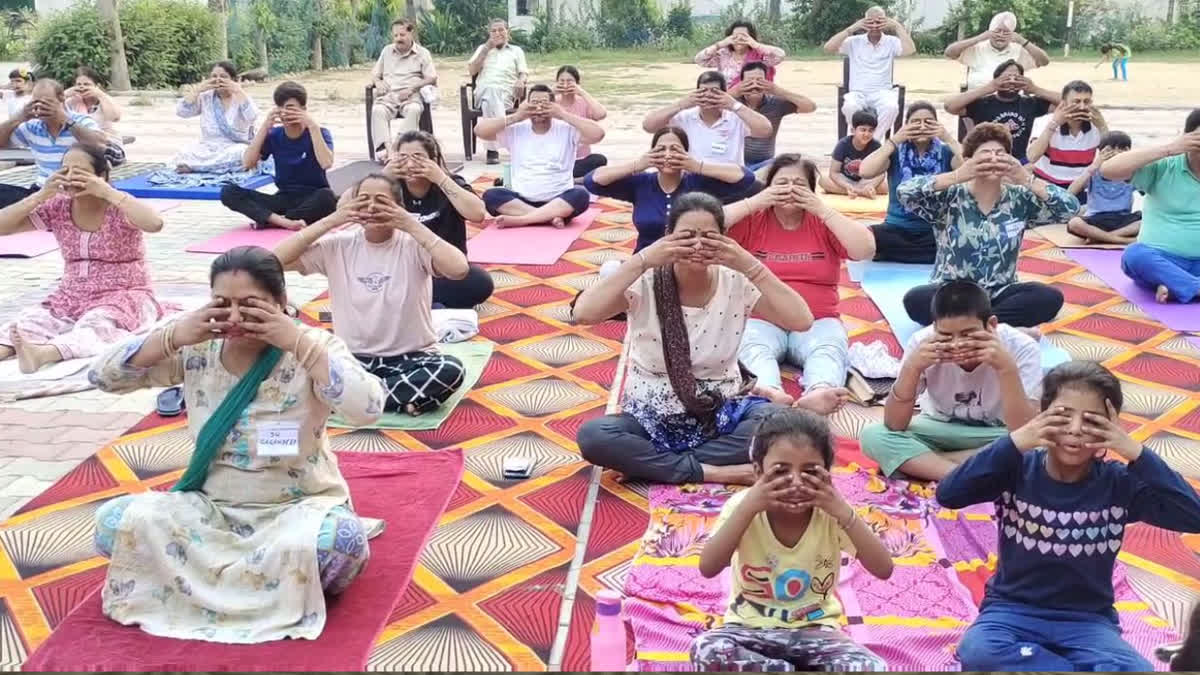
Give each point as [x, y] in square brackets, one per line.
[677, 348]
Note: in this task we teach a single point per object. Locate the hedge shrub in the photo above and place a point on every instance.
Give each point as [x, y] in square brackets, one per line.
[167, 42]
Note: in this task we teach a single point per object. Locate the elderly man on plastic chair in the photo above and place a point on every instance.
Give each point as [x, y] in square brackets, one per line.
[982, 53]
[403, 69]
[872, 56]
[500, 72]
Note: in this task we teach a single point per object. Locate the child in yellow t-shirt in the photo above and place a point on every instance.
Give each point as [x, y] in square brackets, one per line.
[784, 538]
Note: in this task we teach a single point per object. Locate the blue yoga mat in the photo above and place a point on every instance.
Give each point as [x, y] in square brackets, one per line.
[886, 284]
[140, 187]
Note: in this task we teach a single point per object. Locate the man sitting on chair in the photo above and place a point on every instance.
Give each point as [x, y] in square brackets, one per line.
[872, 56]
[403, 68]
[499, 69]
[542, 140]
[982, 53]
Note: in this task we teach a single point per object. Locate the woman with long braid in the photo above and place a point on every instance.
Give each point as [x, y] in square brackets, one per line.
[688, 408]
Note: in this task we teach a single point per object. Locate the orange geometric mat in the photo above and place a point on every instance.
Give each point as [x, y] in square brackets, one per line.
[490, 587]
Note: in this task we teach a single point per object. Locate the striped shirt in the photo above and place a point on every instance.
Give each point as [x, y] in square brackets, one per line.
[48, 150]
[1067, 156]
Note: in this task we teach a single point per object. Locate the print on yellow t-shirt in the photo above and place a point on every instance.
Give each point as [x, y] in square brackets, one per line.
[774, 586]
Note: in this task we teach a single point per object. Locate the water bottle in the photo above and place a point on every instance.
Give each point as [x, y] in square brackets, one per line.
[608, 634]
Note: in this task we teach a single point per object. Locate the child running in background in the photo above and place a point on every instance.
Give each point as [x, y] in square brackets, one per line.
[784, 539]
[1062, 510]
[1119, 55]
[843, 177]
[1110, 217]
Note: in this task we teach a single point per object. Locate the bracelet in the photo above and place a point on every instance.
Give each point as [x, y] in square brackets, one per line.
[756, 273]
[296, 347]
[737, 105]
[901, 399]
[641, 259]
[167, 339]
[849, 521]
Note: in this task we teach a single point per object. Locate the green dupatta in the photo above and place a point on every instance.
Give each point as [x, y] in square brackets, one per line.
[213, 434]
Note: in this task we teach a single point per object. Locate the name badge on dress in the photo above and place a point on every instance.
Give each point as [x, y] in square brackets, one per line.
[278, 439]
[719, 147]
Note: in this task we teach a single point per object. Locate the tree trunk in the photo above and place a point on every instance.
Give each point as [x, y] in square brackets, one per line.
[118, 65]
[220, 9]
[1171, 11]
[263, 60]
[318, 59]
[410, 10]
[774, 10]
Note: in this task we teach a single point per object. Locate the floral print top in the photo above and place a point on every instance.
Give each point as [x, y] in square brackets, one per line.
[237, 561]
[714, 335]
[105, 268]
[979, 246]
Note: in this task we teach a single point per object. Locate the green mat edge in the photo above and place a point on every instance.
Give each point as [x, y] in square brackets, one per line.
[469, 352]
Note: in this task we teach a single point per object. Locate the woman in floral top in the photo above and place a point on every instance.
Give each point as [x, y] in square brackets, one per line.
[687, 416]
[105, 293]
[979, 213]
[259, 528]
[739, 47]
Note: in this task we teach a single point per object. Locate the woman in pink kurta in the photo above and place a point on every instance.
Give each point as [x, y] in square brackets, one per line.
[572, 97]
[105, 293]
[739, 47]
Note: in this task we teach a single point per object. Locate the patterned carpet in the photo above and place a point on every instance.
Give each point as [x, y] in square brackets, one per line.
[489, 590]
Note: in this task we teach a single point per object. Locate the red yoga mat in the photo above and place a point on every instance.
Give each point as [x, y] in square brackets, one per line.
[242, 236]
[409, 491]
[530, 245]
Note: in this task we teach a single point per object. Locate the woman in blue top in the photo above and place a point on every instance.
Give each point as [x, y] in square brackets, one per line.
[652, 192]
[1062, 512]
[922, 147]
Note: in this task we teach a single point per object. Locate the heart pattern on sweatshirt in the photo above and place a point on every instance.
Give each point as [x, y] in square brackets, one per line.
[1064, 534]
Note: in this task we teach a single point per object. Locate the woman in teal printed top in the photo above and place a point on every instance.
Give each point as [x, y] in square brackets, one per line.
[979, 213]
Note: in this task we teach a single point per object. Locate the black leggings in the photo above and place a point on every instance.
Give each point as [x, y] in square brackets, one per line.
[464, 293]
[902, 245]
[307, 205]
[1026, 304]
[585, 165]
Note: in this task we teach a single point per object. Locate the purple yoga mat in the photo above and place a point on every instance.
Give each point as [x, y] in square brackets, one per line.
[1106, 264]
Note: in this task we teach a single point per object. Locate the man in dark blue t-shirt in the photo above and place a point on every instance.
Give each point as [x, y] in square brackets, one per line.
[303, 151]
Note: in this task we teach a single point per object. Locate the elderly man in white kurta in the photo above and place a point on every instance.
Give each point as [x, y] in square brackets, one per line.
[872, 56]
[499, 69]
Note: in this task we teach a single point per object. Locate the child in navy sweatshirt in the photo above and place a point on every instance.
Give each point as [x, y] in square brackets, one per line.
[1062, 511]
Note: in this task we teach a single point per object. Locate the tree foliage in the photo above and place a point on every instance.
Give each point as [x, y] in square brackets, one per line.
[167, 42]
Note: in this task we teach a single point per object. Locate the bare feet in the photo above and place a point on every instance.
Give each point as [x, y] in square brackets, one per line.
[825, 400]
[32, 357]
[183, 168]
[1162, 294]
[773, 395]
[1034, 333]
[502, 222]
[736, 474]
[285, 223]
[558, 223]
[6, 352]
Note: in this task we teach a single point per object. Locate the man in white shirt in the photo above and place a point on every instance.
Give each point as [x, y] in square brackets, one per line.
[982, 53]
[403, 68]
[541, 139]
[499, 69]
[872, 58]
[975, 379]
[716, 124]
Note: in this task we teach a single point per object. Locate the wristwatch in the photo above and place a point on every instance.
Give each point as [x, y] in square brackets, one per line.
[70, 123]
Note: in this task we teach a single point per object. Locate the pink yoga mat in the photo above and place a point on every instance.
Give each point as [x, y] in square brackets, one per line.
[89, 641]
[242, 236]
[1106, 264]
[533, 245]
[27, 244]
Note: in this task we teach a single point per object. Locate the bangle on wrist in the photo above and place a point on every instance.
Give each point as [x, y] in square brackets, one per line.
[848, 521]
[737, 105]
[901, 399]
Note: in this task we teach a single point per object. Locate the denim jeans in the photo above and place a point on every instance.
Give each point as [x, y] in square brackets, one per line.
[1151, 267]
[821, 350]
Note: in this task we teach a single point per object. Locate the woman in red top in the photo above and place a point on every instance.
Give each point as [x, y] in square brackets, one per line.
[803, 242]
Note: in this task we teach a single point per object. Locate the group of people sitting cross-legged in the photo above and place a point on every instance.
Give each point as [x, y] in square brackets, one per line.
[733, 278]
